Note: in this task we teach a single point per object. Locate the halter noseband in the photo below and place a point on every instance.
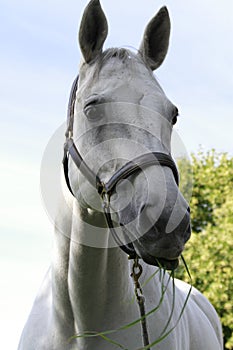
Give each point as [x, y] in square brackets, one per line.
[106, 189]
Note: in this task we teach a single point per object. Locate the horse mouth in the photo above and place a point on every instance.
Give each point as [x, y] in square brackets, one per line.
[168, 264]
[161, 254]
[165, 263]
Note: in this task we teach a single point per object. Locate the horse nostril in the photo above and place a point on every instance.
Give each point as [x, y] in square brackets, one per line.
[188, 209]
[187, 233]
[142, 208]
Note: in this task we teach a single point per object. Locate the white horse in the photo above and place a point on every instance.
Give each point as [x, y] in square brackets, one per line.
[121, 112]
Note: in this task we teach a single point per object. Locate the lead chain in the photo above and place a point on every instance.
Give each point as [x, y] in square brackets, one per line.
[136, 273]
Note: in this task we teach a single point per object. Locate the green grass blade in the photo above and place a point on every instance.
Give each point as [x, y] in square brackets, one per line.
[164, 333]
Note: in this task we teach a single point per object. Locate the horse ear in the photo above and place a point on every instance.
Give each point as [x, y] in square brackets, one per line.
[93, 31]
[155, 41]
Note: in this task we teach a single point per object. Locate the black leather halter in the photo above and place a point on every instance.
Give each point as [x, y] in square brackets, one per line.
[106, 189]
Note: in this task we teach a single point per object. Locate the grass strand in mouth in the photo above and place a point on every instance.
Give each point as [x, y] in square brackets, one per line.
[90, 334]
[173, 303]
[165, 333]
[150, 278]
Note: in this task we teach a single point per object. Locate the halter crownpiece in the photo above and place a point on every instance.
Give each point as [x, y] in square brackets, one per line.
[105, 190]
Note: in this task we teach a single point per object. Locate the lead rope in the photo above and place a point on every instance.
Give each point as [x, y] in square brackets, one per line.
[136, 273]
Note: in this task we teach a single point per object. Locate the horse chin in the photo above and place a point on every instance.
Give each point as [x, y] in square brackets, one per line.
[165, 263]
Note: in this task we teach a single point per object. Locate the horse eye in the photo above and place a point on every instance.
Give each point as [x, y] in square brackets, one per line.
[93, 100]
[91, 107]
[174, 120]
[175, 115]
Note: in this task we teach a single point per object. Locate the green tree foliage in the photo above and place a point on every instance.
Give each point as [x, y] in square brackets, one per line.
[209, 251]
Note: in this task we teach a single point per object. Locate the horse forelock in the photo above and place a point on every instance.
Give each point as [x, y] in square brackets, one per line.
[121, 54]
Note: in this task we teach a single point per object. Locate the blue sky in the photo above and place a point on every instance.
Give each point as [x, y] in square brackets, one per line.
[39, 59]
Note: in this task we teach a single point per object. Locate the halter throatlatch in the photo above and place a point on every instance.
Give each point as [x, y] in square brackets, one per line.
[105, 190]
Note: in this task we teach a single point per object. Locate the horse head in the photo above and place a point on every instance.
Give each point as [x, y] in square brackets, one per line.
[120, 113]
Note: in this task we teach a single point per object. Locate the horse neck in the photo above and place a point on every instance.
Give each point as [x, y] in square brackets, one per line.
[92, 283]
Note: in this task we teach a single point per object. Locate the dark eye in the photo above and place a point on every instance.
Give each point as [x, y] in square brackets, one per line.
[175, 115]
[92, 107]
